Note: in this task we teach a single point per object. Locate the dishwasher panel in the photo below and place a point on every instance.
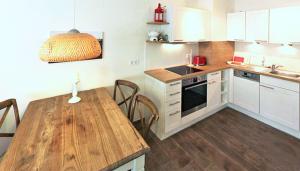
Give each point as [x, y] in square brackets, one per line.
[246, 90]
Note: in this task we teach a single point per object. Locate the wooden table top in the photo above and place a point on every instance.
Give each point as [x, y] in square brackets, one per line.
[93, 134]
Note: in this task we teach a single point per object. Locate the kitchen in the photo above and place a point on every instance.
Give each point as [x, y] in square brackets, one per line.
[262, 84]
[226, 88]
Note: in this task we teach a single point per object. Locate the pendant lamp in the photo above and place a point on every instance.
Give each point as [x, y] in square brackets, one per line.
[70, 46]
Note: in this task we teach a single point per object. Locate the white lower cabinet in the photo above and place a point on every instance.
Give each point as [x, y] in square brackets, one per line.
[280, 104]
[246, 94]
[214, 90]
[167, 98]
[137, 164]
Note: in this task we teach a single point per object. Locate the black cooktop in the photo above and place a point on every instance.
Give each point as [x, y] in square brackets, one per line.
[183, 70]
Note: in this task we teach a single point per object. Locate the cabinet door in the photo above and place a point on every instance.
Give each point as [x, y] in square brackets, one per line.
[190, 25]
[257, 26]
[177, 27]
[214, 90]
[284, 25]
[236, 26]
[246, 94]
[280, 105]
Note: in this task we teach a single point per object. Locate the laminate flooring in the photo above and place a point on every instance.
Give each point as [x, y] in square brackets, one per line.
[228, 140]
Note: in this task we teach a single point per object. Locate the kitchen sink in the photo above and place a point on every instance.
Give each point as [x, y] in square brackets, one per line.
[259, 69]
[286, 74]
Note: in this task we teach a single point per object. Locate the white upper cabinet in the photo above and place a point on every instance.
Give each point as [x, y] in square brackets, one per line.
[257, 26]
[236, 26]
[188, 25]
[285, 25]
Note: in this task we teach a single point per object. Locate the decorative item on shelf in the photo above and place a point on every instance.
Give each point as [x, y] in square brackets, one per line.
[153, 36]
[159, 14]
[163, 37]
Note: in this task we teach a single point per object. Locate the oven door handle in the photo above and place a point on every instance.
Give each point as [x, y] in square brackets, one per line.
[195, 86]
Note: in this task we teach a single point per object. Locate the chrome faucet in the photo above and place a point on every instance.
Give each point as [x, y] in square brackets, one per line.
[274, 67]
[263, 62]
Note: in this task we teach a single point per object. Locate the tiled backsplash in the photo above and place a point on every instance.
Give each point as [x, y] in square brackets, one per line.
[285, 55]
[216, 51]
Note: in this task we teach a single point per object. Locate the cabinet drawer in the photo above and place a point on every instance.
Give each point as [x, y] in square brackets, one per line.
[173, 105]
[174, 95]
[216, 76]
[174, 86]
[173, 120]
[280, 83]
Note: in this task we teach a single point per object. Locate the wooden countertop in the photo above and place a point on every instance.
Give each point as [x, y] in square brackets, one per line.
[91, 135]
[167, 76]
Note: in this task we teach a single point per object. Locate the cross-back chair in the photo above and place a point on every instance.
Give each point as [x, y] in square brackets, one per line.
[127, 101]
[7, 104]
[154, 114]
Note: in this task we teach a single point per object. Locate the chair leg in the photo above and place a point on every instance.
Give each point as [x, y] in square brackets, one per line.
[1, 156]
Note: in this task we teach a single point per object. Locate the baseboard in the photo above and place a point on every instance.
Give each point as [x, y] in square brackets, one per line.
[261, 118]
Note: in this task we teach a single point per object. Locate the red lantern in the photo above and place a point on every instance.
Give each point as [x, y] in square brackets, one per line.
[159, 14]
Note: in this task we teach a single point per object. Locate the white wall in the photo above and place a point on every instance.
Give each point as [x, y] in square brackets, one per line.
[242, 5]
[165, 55]
[26, 24]
[287, 56]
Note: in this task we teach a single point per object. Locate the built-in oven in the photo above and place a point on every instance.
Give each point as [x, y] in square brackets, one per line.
[194, 95]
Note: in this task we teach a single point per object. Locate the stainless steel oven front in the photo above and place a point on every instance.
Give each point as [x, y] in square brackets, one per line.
[194, 95]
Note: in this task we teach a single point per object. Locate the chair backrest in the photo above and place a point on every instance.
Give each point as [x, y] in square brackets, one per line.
[125, 100]
[154, 114]
[7, 105]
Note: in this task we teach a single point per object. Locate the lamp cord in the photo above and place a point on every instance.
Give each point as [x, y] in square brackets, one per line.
[74, 14]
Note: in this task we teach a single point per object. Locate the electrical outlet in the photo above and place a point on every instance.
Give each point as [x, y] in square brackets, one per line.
[134, 62]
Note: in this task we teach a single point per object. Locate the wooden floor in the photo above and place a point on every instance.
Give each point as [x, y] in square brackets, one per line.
[227, 140]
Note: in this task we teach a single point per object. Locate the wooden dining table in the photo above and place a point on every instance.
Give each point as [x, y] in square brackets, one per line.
[93, 134]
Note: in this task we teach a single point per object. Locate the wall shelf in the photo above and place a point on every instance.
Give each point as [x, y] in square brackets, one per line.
[158, 23]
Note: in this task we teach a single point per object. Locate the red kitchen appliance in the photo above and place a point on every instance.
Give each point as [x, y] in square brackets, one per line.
[199, 60]
[238, 59]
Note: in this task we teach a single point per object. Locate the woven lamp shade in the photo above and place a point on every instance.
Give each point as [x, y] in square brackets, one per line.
[71, 46]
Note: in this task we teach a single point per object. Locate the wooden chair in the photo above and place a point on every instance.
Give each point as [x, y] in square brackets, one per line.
[128, 84]
[7, 104]
[154, 115]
